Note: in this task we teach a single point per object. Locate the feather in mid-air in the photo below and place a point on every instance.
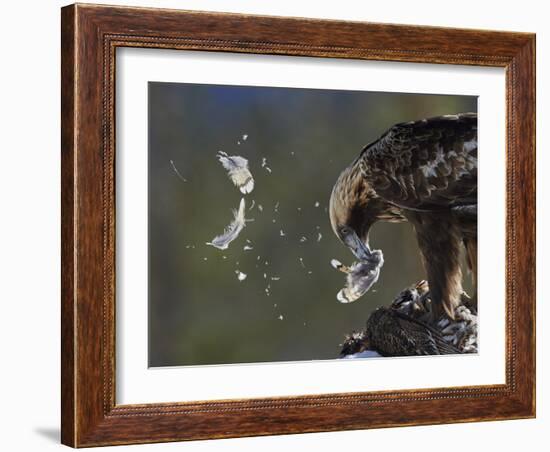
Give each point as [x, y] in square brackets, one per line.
[232, 231]
[360, 277]
[238, 172]
[423, 172]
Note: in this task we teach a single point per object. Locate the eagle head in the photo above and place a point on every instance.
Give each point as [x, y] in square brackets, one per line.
[353, 208]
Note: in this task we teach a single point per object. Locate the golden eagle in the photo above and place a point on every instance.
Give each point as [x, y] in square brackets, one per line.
[423, 172]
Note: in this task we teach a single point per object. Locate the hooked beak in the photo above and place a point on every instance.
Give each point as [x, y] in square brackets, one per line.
[360, 249]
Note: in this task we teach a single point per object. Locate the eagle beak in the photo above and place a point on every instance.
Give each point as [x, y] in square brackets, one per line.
[359, 249]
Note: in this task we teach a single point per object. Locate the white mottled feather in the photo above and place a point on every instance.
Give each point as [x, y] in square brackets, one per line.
[232, 231]
[237, 170]
[360, 277]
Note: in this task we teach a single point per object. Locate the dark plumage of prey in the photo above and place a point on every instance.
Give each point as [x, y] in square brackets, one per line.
[423, 172]
[392, 333]
[397, 330]
[360, 277]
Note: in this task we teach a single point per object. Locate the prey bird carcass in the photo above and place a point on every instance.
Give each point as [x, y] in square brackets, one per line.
[403, 329]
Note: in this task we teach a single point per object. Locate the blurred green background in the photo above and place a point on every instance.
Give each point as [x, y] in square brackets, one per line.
[199, 312]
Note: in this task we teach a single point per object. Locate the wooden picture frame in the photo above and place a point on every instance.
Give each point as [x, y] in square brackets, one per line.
[90, 36]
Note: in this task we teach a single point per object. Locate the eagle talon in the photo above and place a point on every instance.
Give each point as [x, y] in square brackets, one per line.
[470, 303]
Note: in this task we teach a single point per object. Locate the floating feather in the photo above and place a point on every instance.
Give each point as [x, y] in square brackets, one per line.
[264, 165]
[232, 231]
[176, 171]
[240, 275]
[237, 170]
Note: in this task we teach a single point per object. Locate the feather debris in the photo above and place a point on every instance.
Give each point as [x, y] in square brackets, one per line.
[238, 172]
[232, 231]
[173, 165]
[360, 277]
[264, 165]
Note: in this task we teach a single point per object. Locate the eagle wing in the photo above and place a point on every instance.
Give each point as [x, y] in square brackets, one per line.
[429, 164]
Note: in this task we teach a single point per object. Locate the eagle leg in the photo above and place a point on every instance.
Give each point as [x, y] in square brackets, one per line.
[440, 241]
[471, 254]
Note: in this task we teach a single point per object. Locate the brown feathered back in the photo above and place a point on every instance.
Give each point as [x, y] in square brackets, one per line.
[425, 165]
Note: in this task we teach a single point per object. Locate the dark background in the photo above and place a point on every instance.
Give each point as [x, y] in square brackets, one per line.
[199, 313]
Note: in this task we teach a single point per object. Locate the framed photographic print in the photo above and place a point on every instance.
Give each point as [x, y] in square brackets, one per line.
[282, 225]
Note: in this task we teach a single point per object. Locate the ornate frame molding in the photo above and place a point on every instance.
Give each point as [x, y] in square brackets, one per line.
[90, 36]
